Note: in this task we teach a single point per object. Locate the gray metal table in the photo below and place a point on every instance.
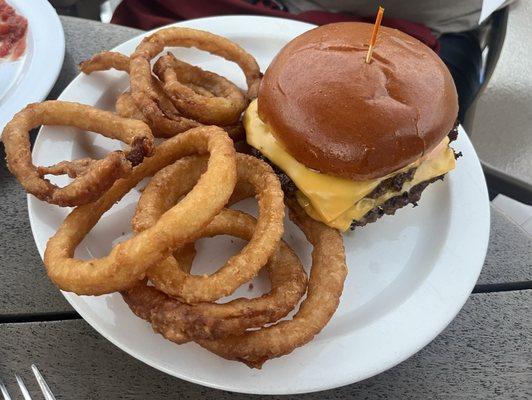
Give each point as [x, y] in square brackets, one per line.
[484, 353]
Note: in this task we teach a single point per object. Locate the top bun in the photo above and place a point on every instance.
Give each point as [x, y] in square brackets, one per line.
[338, 115]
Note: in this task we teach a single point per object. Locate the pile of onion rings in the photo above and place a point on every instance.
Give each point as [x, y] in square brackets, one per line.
[195, 176]
[178, 96]
[230, 329]
[92, 178]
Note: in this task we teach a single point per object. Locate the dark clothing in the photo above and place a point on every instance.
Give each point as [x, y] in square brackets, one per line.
[462, 54]
[149, 14]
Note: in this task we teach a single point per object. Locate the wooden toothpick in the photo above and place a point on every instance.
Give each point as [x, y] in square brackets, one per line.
[374, 34]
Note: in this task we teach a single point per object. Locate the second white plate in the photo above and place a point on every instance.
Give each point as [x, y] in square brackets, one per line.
[30, 78]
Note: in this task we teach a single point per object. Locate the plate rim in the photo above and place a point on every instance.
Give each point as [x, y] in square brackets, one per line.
[44, 19]
[451, 314]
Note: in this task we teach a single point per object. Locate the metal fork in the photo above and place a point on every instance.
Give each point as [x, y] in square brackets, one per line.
[45, 389]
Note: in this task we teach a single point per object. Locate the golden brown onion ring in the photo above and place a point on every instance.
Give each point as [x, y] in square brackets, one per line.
[142, 88]
[126, 107]
[128, 261]
[255, 347]
[212, 320]
[168, 120]
[104, 61]
[96, 177]
[207, 320]
[161, 115]
[223, 105]
[325, 286]
[240, 268]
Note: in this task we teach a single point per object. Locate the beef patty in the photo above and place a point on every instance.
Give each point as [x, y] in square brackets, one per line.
[390, 206]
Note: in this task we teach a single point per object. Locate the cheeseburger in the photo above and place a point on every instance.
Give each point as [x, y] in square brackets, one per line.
[352, 140]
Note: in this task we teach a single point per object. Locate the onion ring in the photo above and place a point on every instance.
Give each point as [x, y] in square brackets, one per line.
[107, 60]
[212, 320]
[240, 268]
[126, 107]
[128, 261]
[161, 115]
[104, 61]
[99, 175]
[223, 105]
[325, 287]
[169, 120]
[255, 347]
[142, 88]
[207, 320]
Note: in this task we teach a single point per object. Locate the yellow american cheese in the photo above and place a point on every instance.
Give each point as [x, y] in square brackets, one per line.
[430, 168]
[331, 199]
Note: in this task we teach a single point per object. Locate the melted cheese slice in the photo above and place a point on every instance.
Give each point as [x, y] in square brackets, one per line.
[331, 199]
[441, 163]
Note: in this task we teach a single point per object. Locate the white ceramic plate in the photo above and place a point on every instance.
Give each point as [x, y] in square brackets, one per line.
[409, 275]
[30, 78]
